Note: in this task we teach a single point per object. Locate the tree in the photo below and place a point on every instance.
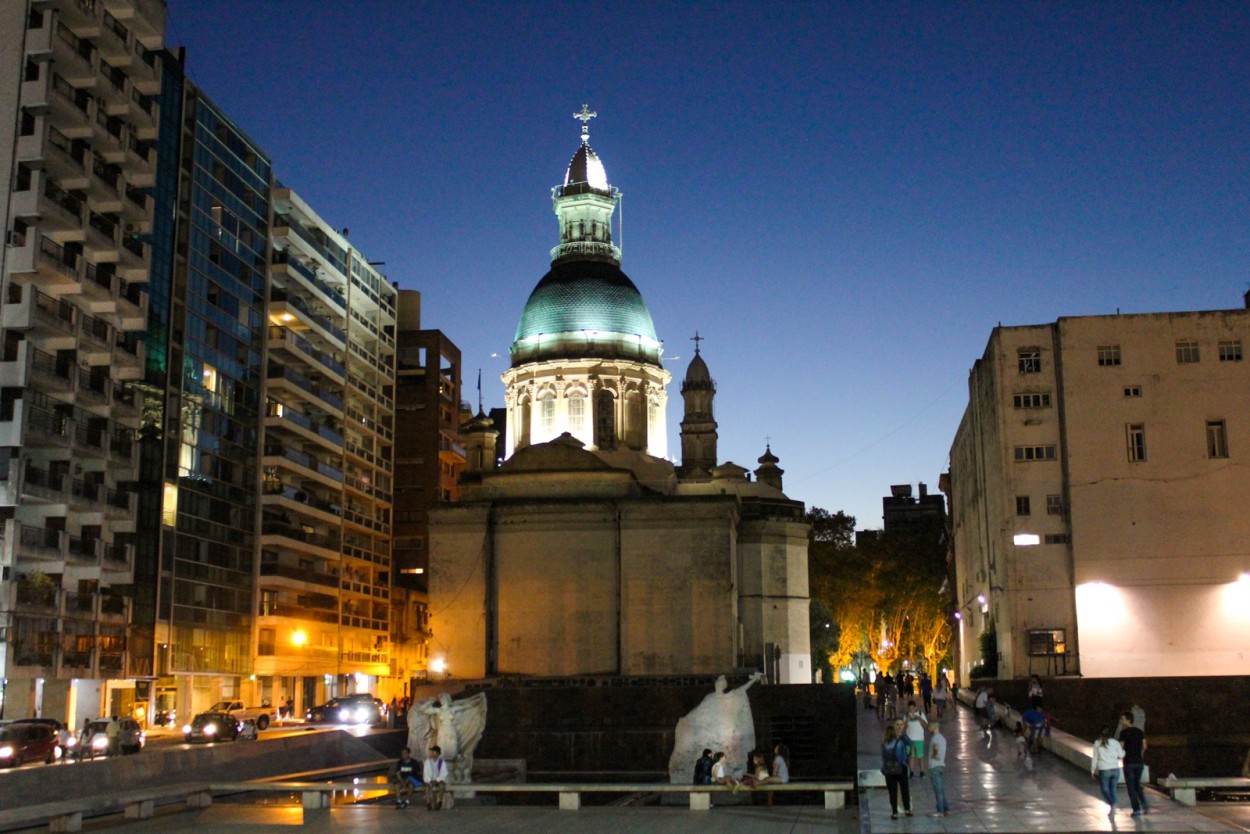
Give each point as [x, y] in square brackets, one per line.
[884, 595]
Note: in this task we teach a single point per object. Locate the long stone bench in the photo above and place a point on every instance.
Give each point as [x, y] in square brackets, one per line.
[1185, 791]
[319, 794]
[67, 814]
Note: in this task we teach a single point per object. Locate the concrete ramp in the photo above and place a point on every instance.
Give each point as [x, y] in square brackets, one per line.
[235, 761]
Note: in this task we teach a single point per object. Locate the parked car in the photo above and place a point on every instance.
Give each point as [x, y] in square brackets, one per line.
[94, 740]
[350, 709]
[66, 741]
[26, 741]
[212, 726]
[262, 715]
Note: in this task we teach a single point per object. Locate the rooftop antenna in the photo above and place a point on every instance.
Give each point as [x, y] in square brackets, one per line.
[479, 390]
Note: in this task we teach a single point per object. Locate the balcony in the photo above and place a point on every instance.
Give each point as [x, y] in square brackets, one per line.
[28, 308]
[284, 304]
[280, 415]
[65, 156]
[44, 427]
[74, 57]
[305, 464]
[288, 231]
[57, 264]
[39, 543]
[123, 449]
[127, 400]
[93, 387]
[89, 439]
[69, 104]
[114, 41]
[282, 528]
[303, 575]
[283, 338]
[24, 365]
[303, 387]
[290, 270]
[60, 210]
[103, 187]
[100, 281]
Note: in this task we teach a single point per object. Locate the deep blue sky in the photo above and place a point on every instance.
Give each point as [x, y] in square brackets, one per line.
[843, 198]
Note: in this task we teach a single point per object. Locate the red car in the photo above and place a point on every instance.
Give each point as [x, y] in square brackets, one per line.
[22, 742]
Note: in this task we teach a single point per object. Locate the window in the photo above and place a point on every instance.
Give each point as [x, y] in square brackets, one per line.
[1055, 538]
[1022, 505]
[1217, 439]
[1031, 400]
[1054, 505]
[1132, 390]
[1136, 442]
[1047, 642]
[1186, 352]
[577, 411]
[1108, 355]
[548, 405]
[1029, 360]
[1230, 350]
[1027, 453]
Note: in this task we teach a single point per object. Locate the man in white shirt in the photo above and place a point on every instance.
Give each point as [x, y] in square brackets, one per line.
[937, 768]
[435, 778]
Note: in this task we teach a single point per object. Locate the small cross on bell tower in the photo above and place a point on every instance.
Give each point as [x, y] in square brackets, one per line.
[584, 116]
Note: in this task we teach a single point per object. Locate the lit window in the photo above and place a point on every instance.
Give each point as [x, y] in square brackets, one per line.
[1230, 350]
[1029, 360]
[1022, 505]
[1136, 433]
[1108, 355]
[577, 411]
[1054, 505]
[548, 406]
[1217, 439]
[1186, 352]
[1026, 539]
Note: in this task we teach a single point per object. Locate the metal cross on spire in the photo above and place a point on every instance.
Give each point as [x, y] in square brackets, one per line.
[584, 116]
[696, 338]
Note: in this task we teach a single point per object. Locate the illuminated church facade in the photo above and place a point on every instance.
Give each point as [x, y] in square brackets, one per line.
[587, 552]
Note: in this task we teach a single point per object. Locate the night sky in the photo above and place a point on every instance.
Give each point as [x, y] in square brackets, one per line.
[844, 199]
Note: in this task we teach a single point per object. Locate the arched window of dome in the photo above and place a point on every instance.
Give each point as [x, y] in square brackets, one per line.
[635, 421]
[577, 410]
[605, 420]
[523, 412]
[547, 413]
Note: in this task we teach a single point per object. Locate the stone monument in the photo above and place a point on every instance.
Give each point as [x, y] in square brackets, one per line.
[721, 722]
[455, 726]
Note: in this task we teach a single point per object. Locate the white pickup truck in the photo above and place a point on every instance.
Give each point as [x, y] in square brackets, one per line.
[263, 716]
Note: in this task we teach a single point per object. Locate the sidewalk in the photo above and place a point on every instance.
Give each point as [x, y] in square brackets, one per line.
[988, 789]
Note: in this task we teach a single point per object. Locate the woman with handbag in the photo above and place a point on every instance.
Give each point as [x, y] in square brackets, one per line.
[894, 768]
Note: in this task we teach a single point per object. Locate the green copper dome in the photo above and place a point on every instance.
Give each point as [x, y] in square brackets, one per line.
[584, 309]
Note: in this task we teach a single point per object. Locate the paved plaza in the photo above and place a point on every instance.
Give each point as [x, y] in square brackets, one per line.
[988, 787]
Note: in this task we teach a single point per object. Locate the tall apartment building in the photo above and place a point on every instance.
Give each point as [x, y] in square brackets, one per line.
[1096, 491]
[325, 562]
[79, 81]
[429, 458]
[195, 394]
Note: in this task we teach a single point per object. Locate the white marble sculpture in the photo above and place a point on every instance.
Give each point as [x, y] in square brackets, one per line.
[721, 722]
[455, 726]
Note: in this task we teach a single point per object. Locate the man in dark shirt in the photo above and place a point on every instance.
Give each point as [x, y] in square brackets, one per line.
[407, 779]
[1134, 742]
[703, 769]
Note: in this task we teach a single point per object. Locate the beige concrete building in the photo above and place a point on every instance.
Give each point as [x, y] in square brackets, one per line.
[1096, 490]
[585, 552]
[78, 89]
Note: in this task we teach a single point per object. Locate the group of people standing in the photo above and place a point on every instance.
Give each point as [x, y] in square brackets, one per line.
[905, 755]
[893, 691]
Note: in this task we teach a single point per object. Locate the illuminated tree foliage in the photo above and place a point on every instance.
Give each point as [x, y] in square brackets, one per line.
[884, 595]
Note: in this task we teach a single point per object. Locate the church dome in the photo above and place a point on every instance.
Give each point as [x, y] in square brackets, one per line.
[584, 309]
[585, 172]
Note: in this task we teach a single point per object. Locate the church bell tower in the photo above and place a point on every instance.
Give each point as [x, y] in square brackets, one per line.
[698, 425]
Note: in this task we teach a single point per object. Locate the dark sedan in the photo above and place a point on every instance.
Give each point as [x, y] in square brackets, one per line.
[212, 726]
[27, 742]
[350, 709]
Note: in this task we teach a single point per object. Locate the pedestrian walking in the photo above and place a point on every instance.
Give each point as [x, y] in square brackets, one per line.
[1133, 740]
[1105, 766]
[926, 693]
[894, 768]
[937, 769]
[940, 693]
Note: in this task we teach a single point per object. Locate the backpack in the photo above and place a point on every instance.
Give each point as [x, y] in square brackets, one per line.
[894, 760]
